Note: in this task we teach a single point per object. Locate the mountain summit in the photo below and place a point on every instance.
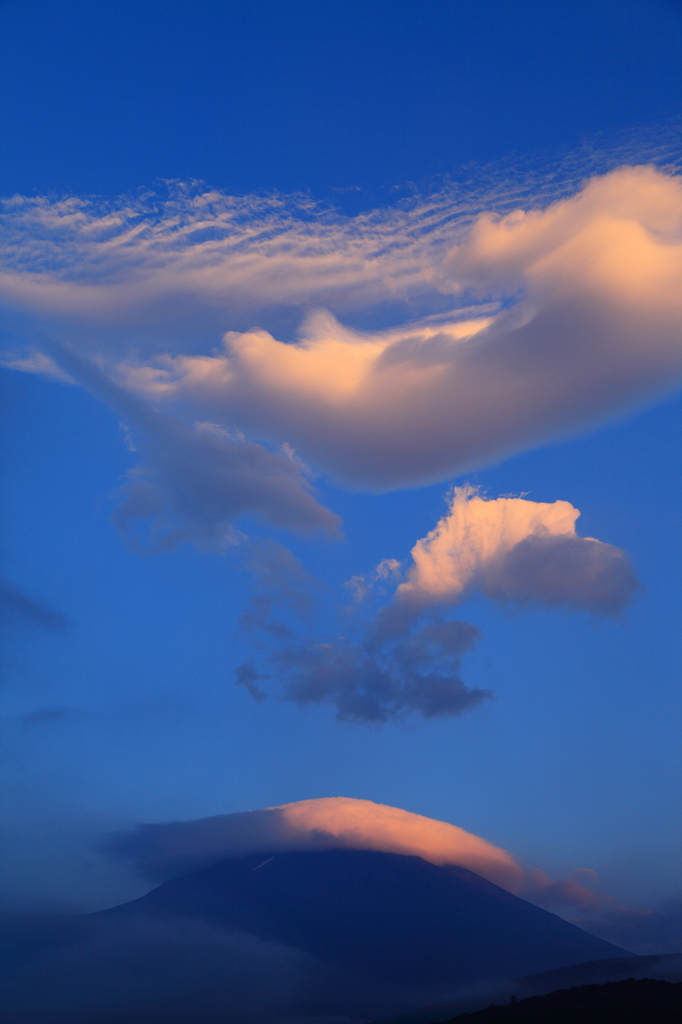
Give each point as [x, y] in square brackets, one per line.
[392, 917]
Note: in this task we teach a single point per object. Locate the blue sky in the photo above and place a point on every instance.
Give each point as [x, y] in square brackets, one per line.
[128, 128]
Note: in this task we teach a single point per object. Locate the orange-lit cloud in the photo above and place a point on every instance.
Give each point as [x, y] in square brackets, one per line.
[568, 315]
[162, 851]
[404, 657]
[512, 549]
[333, 822]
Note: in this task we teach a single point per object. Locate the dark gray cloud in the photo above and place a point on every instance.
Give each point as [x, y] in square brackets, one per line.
[399, 661]
[195, 481]
[18, 606]
[283, 589]
[248, 676]
[384, 679]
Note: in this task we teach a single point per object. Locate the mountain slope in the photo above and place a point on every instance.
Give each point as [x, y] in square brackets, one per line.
[388, 916]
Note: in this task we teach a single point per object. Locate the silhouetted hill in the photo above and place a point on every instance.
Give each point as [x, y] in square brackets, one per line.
[618, 1002]
[660, 966]
[388, 916]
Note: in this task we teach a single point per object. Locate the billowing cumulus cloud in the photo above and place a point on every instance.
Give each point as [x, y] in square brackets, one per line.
[403, 650]
[515, 550]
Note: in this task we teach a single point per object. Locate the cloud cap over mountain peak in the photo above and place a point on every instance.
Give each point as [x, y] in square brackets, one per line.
[166, 850]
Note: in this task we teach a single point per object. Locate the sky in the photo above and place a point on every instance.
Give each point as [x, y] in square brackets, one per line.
[341, 432]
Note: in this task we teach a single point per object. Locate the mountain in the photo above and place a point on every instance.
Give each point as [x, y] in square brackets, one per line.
[395, 918]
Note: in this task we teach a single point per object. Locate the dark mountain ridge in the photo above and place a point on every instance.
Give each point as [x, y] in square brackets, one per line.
[593, 973]
[645, 1001]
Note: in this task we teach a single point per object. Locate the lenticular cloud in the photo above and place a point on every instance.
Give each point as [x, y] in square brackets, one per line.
[534, 323]
[169, 849]
[166, 850]
[591, 323]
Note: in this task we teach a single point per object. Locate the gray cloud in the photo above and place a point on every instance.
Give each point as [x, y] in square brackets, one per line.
[385, 678]
[575, 572]
[404, 657]
[17, 606]
[147, 972]
[195, 481]
[248, 676]
[402, 662]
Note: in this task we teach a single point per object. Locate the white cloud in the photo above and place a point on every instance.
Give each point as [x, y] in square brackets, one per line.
[568, 313]
[591, 325]
[402, 651]
[511, 549]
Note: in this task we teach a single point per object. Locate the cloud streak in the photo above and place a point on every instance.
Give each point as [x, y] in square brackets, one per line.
[17, 606]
